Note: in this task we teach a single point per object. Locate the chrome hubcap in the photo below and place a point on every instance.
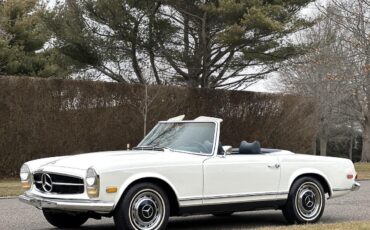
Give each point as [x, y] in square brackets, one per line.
[309, 201]
[147, 210]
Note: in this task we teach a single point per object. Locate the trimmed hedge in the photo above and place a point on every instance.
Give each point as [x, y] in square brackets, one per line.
[43, 118]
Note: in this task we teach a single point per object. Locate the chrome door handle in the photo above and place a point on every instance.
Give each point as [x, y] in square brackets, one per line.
[274, 166]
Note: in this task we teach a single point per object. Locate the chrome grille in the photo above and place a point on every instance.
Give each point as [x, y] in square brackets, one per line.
[59, 184]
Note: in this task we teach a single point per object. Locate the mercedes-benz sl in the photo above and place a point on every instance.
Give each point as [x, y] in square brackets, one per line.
[181, 168]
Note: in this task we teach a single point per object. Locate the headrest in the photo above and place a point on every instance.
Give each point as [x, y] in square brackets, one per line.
[250, 148]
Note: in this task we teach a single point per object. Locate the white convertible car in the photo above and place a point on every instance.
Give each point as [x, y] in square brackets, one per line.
[181, 168]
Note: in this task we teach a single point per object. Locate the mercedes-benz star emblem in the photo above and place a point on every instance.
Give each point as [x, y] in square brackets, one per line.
[309, 201]
[47, 183]
[147, 211]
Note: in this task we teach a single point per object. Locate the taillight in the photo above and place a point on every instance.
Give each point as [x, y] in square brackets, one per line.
[349, 176]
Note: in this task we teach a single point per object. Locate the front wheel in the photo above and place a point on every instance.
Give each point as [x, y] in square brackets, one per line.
[144, 207]
[306, 201]
[65, 220]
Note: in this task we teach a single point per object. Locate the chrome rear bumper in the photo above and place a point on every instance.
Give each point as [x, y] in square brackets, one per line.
[356, 186]
[67, 205]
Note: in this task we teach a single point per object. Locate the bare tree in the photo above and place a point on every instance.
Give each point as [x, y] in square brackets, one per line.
[151, 103]
[337, 70]
[142, 103]
[353, 17]
[322, 74]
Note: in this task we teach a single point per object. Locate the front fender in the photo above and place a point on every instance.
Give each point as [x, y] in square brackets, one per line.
[305, 171]
[139, 176]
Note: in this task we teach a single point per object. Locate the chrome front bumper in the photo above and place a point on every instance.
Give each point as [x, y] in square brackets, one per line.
[356, 186]
[68, 205]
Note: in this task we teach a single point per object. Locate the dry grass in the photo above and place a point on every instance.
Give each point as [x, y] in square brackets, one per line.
[337, 226]
[10, 187]
[363, 170]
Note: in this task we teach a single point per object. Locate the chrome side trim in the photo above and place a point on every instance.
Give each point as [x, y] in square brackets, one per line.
[190, 199]
[234, 196]
[341, 189]
[68, 205]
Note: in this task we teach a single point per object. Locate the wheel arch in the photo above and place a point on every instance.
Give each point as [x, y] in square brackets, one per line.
[314, 174]
[155, 179]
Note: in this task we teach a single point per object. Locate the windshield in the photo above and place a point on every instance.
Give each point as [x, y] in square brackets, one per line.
[189, 137]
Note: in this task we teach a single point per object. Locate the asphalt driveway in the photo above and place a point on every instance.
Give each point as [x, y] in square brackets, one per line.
[353, 207]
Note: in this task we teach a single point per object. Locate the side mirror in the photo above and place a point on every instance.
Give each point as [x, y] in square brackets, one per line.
[227, 149]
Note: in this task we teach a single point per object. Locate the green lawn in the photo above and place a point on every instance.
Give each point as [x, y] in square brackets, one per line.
[10, 187]
[363, 170]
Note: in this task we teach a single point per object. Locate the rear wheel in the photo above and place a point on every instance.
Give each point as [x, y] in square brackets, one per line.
[65, 220]
[306, 201]
[144, 207]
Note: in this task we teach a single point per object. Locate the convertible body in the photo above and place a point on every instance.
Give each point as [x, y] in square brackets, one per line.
[193, 172]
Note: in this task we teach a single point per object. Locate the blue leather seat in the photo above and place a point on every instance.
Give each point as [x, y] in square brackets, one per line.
[249, 148]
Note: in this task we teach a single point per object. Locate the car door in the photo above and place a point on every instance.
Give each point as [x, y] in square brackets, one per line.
[240, 178]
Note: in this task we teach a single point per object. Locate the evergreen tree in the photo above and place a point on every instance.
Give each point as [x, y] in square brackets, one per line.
[24, 41]
[198, 43]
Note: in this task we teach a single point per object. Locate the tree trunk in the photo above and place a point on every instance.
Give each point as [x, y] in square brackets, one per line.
[151, 51]
[350, 150]
[323, 136]
[365, 155]
[314, 147]
[134, 58]
[323, 144]
[145, 112]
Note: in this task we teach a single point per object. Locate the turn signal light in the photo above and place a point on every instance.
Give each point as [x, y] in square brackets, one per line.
[26, 185]
[92, 192]
[111, 189]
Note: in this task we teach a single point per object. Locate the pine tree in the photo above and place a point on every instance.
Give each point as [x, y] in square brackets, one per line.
[208, 44]
[24, 41]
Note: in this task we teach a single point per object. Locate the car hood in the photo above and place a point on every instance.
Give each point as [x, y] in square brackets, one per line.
[109, 159]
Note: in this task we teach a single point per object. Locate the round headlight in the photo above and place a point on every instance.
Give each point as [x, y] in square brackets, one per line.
[92, 183]
[91, 177]
[25, 173]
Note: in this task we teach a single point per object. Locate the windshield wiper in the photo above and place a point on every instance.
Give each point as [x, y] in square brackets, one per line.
[155, 148]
